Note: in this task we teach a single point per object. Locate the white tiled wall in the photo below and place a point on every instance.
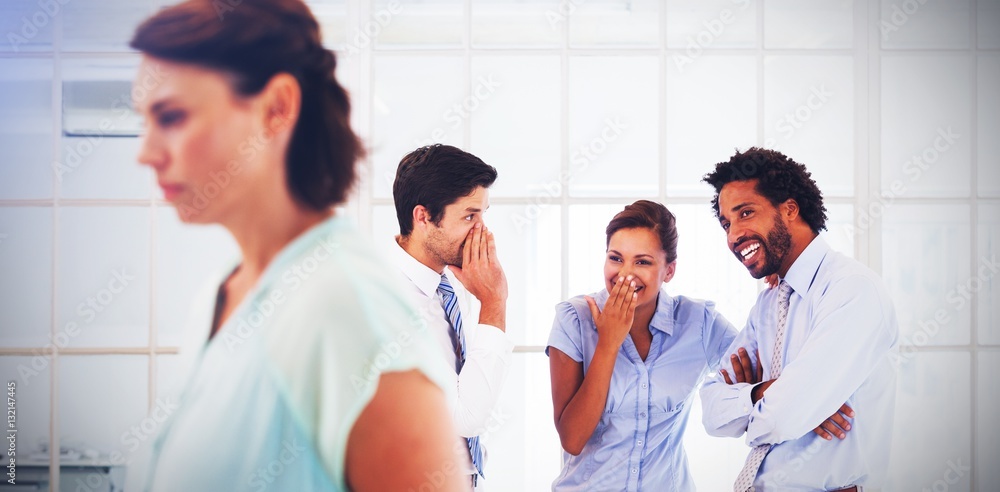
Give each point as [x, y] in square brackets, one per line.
[583, 106]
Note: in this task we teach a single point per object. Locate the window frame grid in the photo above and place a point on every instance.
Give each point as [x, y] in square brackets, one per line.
[867, 53]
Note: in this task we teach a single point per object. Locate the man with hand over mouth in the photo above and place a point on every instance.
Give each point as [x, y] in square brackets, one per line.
[456, 281]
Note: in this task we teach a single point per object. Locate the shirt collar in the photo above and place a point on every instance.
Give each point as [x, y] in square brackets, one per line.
[663, 316]
[801, 274]
[426, 279]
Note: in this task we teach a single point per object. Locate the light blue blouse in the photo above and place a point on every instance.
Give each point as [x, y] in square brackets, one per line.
[272, 398]
[638, 443]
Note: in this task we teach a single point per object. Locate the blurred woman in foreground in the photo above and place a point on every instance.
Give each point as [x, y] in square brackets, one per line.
[311, 372]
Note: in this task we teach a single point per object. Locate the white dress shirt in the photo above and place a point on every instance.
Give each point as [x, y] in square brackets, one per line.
[488, 349]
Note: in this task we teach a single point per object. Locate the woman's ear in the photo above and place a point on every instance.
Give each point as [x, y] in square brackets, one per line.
[282, 101]
[669, 273]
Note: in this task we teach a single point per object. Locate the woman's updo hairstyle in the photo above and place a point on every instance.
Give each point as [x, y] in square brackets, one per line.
[648, 215]
[251, 41]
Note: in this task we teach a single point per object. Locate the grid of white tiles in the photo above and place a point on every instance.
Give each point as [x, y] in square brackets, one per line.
[583, 106]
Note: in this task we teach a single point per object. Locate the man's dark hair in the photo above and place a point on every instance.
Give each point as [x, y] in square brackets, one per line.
[778, 179]
[436, 176]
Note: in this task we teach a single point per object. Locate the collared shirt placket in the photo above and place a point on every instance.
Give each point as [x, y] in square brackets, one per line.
[642, 409]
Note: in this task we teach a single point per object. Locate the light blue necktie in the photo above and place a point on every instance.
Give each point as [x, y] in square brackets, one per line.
[744, 481]
[450, 302]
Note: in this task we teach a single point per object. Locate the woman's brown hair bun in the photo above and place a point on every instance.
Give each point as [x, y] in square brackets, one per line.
[252, 41]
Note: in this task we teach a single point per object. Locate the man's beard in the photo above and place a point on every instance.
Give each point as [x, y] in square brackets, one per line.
[439, 246]
[776, 248]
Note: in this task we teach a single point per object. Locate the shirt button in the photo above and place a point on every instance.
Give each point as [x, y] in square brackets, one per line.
[635, 470]
[639, 443]
[644, 385]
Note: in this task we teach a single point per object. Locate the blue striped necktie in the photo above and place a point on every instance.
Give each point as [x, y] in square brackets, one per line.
[450, 302]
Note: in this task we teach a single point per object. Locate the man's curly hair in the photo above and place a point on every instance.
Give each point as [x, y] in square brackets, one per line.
[778, 179]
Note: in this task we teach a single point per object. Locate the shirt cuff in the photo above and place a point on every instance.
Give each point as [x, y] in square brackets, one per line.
[746, 398]
[493, 339]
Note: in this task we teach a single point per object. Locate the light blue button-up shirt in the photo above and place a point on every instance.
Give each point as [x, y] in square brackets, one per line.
[839, 344]
[638, 443]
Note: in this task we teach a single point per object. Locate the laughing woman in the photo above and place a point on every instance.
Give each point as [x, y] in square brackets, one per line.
[299, 380]
[625, 362]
